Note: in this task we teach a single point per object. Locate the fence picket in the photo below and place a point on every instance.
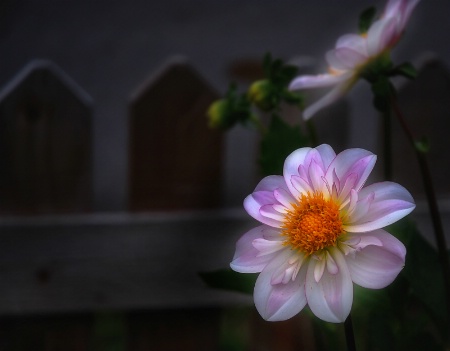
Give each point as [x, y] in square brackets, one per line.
[45, 143]
[175, 159]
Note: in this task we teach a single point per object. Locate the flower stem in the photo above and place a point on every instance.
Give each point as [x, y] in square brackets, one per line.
[312, 132]
[349, 334]
[258, 124]
[387, 147]
[432, 204]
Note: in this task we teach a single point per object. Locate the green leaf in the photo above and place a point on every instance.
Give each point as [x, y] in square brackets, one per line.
[366, 18]
[280, 140]
[422, 269]
[406, 70]
[227, 279]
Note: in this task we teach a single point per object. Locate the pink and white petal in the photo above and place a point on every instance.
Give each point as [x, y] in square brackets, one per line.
[327, 154]
[380, 214]
[390, 203]
[291, 168]
[318, 81]
[336, 63]
[247, 258]
[316, 175]
[335, 94]
[352, 161]
[313, 156]
[401, 9]
[331, 298]
[381, 35]
[353, 41]
[406, 13]
[272, 234]
[284, 197]
[253, 208]
[300, 186]
[267, 247]
[285, 271]
[360, 209]
[386, 191]
[376, 266]
[263, 196]
[269, 211]
[350, 58]
[347, 188]
[270, 183]
[280, 301]
[393, 8]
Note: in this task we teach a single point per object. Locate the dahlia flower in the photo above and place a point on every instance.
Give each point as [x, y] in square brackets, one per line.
[354, 52]
[321, 231]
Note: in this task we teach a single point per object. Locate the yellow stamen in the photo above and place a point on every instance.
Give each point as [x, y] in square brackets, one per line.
[313, 224]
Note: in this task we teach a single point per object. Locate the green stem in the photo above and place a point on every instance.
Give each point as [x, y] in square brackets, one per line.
[258, 124]
[387, 145]
[432, 204]
[312, 132]
[349, 334]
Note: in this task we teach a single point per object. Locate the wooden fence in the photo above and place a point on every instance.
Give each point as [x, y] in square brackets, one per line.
[73, 279]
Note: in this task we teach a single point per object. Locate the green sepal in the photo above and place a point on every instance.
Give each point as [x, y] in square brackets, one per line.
[232, 109]
[406, 70]
[366, 18]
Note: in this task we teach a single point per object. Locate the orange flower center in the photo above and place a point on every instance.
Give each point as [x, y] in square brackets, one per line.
[312, 224]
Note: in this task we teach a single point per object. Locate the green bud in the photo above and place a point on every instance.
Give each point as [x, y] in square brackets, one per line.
[261, 93]
[219, 114]
[366, 18]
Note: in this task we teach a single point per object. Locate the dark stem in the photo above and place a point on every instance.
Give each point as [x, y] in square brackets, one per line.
[312, 133]
[432, 204]
[349, 334]
[387, 147]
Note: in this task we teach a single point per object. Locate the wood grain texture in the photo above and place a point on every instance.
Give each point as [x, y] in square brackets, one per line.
[82, 263]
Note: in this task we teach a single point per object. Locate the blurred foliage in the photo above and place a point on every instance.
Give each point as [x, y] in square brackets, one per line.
[261, 107]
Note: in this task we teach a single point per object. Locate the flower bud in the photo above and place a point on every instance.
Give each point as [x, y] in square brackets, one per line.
[219, 114]
[261, 93]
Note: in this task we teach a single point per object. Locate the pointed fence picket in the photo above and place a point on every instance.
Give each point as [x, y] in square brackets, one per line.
[174, 158]
[45, 143]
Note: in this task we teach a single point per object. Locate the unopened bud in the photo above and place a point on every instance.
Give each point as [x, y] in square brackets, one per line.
[261, 93]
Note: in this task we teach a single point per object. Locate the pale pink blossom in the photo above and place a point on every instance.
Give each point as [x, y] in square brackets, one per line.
[353, 52]
[320, 231]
